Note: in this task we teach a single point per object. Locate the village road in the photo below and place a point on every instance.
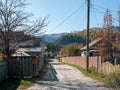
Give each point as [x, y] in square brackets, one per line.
[64, 77]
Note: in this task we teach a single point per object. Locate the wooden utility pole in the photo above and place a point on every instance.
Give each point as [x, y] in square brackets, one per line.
[87, 39]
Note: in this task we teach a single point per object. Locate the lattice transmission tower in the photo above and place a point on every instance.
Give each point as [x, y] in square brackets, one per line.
[107, 25]
[119, 18]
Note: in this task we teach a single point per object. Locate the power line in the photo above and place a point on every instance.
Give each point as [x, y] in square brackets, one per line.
[81, 24]
[103, 8]
[95, 17]
[104, 14]
[62, 22]
[114, 19]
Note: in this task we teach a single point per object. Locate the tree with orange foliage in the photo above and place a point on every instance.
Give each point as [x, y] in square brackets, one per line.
[108, 45]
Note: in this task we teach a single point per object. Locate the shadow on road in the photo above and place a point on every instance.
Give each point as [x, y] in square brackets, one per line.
[51, 74]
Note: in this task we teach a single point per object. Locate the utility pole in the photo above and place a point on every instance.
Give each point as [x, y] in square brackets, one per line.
[87, 39]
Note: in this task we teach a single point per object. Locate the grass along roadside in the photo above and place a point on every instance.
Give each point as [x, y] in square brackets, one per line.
[18, 84]
[44, 68]
[112, 80]
[24, 83]
[91, 73]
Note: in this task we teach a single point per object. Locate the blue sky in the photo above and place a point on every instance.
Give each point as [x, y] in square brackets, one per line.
[59, 10]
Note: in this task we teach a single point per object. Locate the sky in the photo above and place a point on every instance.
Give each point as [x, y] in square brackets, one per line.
[70, 15]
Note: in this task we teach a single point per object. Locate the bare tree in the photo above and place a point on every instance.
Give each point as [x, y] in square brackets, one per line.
[108, 45]
[14, 18]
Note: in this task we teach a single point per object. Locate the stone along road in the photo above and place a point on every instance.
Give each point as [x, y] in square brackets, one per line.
[64, 77]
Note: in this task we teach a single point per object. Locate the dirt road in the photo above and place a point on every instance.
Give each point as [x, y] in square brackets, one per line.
[64, 77]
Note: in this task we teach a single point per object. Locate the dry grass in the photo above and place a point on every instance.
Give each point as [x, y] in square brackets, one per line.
[112, 72]
[109, 73]
[108, 68]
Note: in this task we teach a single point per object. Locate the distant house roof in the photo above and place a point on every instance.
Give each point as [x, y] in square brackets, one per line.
[34, 49]
[92, 43]
[33, 53]
[20, 54]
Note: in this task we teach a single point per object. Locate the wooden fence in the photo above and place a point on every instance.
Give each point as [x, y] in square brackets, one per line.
[81, 61]
[24, 66]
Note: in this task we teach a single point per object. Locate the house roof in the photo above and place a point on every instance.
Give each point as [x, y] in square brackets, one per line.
[34, 49]
[20, 54]
[33, 53]
[92, 43]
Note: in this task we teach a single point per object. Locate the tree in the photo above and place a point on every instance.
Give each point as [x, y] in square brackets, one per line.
[53, 47]
[70, 50]
[108, 45]
[13, 18]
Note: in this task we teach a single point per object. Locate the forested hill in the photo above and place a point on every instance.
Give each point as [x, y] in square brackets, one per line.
[52, 37]
[70, 38]
[77, 37]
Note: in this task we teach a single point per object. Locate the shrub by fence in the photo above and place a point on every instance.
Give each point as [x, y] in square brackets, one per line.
[24, 66]
[81, 61]
[3, 70]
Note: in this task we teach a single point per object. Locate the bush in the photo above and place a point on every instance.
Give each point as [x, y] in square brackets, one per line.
[70, 50]
[93, 70]
[44, 68]
[113, 80]
[59, 59]
[24, 83]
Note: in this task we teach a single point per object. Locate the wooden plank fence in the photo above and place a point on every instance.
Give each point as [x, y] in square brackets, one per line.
[94, 61]
[24, 66]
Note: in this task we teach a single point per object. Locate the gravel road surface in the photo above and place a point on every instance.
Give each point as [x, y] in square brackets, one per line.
[65, 77]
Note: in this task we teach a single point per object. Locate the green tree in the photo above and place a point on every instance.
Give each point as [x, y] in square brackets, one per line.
[70, 50]
[53, 47]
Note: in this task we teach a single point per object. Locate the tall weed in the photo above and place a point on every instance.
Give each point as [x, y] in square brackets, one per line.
[113, 80]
